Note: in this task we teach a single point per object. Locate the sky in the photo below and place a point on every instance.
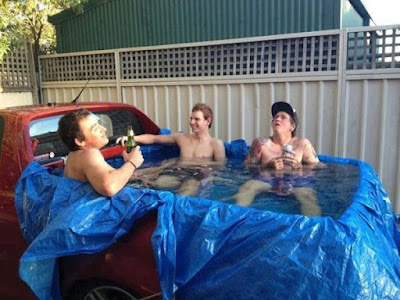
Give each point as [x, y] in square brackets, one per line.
[383, 12]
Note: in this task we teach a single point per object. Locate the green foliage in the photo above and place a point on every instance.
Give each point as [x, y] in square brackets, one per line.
[27, 20]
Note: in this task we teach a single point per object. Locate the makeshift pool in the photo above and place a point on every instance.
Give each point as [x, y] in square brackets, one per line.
[334, 186]
[216, 250]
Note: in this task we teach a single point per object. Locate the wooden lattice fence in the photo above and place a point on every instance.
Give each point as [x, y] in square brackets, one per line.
[16, 70]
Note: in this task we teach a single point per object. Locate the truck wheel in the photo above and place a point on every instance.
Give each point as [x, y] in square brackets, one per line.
[95, 290]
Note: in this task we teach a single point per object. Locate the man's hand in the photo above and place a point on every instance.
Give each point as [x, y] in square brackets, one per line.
[276, 163]
[291, 162]
[121, 140]
[289, 159]
[135, 156]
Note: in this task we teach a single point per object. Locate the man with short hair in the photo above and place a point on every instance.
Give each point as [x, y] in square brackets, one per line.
[196, 145]
[197, 149]
[84, 136]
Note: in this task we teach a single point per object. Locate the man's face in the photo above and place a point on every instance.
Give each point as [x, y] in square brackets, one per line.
[282, 122]
[197, 121]
[94, 133]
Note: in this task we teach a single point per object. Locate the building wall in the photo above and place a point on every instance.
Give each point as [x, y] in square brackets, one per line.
[350, 17]
[160, 22]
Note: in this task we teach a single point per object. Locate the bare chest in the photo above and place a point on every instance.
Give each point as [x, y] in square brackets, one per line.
[270, 151]
[196, 149]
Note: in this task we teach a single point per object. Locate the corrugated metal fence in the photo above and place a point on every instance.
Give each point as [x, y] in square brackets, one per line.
[345, 85]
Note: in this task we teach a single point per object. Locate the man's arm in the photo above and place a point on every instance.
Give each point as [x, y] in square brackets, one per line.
[151, 139]
[159, 139]
[309, 155]
[219, 151]
[254, 155]
[106, 180]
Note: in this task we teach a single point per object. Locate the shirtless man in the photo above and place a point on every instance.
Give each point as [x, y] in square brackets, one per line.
[268, 152]
[84, 136]
[198, 148]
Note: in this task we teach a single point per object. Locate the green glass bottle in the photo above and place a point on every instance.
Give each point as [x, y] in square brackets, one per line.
[130, 143]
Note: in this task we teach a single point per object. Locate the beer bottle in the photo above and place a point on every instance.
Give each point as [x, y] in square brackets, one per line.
[130, 143]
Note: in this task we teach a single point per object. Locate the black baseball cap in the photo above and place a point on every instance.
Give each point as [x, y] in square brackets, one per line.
[287, 108]
[282, 106]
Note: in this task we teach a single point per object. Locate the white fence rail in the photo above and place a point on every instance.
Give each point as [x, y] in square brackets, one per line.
[344, 84]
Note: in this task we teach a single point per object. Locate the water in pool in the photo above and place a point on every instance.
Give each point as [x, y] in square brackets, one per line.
[326, 191]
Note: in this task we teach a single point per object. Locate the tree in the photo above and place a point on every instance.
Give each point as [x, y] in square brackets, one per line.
[27, 20]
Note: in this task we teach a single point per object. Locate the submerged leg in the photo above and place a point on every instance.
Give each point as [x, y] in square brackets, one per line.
[149, 176]
[166, 182]
[308, 201]
[249, 190]
[189, 187]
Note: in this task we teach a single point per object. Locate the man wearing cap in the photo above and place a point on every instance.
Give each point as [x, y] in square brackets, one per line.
[286, 154]
[269, 151]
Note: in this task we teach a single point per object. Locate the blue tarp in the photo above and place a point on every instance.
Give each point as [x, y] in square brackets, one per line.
[208, 249]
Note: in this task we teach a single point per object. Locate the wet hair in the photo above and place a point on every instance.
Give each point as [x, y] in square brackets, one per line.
[69, 129]
[205, 109]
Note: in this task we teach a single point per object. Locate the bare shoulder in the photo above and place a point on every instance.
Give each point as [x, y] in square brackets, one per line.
[300, 142]
[218, 149]
[261, 140]
[89, 157]
[217, 142]
[80, 162]
[259, 143]
[93, 152]
[180, 136]
[309, 154]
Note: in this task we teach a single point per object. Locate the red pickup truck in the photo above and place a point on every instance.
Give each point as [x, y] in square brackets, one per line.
[30, 134]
